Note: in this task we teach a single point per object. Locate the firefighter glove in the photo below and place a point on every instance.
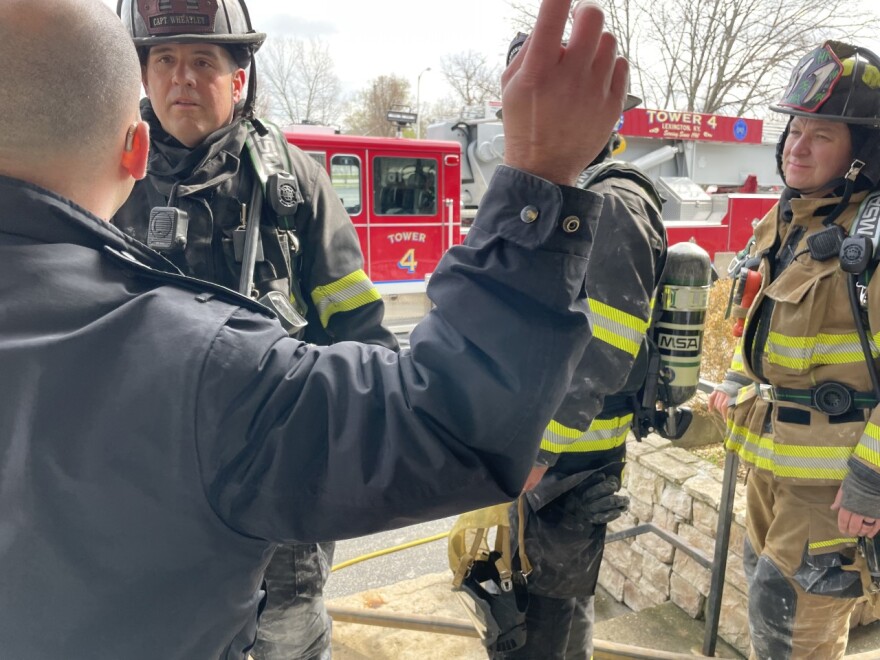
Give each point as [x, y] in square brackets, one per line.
[596, 503]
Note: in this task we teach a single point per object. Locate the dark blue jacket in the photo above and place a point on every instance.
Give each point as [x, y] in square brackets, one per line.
[161, 434]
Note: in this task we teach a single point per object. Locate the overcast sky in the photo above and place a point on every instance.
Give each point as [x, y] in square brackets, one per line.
[403, 37]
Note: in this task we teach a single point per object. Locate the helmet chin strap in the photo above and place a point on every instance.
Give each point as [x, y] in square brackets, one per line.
[251, 100]
[849, 183]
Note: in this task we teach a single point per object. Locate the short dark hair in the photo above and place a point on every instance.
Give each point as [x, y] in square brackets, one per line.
[69, 79]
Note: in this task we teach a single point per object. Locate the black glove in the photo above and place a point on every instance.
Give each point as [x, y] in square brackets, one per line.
[596, 502]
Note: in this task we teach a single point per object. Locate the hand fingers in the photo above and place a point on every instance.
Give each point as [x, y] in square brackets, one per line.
[547, 36]
[620, 78]
[586, 40]
[611, 502]
[600, 490]
[719, 401]
[867, 527]
[854, 524]
[605, 518]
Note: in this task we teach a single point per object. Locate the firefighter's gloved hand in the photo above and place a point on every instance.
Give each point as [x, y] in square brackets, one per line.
[597, 504]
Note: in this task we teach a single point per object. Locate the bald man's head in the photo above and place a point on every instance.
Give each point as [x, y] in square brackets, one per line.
[70, 78]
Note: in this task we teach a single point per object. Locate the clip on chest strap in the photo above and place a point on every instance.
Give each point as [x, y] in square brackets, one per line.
[274, 168]
[830, 398]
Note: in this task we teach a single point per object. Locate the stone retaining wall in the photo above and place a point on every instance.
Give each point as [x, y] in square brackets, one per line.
[679, 492]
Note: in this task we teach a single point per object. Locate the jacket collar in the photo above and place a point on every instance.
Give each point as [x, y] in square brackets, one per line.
[804, 211]
[190, 171]
[32, 212]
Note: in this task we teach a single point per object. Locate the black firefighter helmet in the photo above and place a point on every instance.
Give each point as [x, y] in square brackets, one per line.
[519, 41]
[838, 82]
[222, 22]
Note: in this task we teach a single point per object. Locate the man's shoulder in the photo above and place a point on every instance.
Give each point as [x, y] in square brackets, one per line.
[302, 164]
[174, 285]
[611, 176]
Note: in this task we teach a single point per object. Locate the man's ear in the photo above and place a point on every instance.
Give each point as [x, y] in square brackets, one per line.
[238, 79]
[136, 150]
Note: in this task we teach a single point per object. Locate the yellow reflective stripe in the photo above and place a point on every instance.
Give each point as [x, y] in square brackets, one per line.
[617, 328]
[818, 545]
[602, 435]
[803, 352]
[745, 394]
[352, 291]
[736, 362]
[868, 448]
[792, 461]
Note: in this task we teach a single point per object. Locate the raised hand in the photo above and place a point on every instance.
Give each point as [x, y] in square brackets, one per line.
[562, 102]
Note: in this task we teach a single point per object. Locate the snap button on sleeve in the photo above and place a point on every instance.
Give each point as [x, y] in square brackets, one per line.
[529, 214]
[571, 224]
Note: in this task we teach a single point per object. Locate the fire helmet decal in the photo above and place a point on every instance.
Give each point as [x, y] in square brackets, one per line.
[170, 17]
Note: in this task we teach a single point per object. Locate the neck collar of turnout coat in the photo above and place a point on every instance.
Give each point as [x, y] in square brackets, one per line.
[203, 167]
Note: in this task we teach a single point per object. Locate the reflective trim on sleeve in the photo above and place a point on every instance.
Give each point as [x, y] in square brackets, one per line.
[746, 393]
[803, 352]
[352, 291]
[736, 362]
[868, 448]
[613, 326]
[790, 461]
[602, 435]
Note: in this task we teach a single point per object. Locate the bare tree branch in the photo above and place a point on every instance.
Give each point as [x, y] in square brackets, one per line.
[719, 56]
[367, 111]
[298, 81]
[472, 78]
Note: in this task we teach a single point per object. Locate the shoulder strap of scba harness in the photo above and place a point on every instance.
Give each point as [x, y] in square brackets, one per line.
[274, 169]
[859, 255]
[860, 251]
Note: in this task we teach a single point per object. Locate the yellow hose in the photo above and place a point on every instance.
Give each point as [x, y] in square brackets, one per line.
[388, 551]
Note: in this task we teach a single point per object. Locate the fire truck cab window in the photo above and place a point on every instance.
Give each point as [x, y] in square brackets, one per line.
[404, 186]
[345, 175]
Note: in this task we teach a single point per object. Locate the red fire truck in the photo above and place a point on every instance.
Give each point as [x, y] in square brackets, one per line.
[403, 196]
[708, 168]
[412, 199]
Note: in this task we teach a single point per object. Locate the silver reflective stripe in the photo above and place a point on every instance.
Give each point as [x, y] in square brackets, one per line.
[792, 461]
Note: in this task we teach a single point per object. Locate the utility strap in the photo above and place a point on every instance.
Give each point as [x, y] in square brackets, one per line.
[524, 562]
[821, 397]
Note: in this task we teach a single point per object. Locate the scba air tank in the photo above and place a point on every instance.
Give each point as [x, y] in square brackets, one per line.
[679, 331]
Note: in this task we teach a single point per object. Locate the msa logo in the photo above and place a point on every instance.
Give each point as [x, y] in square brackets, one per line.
[869, 217]
[678, 343]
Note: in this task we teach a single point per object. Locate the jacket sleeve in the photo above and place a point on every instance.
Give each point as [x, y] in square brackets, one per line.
[861, 487]
[343, 303]
[622, 276]
[735, 379]
[303, 443]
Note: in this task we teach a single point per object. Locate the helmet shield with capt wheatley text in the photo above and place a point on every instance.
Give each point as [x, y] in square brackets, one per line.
[222, 22]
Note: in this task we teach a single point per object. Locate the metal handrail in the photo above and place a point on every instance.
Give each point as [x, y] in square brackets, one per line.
[718, 563]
